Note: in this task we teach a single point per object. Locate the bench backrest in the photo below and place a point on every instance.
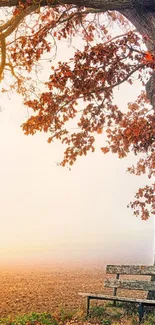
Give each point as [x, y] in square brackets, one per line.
[130, 284]
[131, 269]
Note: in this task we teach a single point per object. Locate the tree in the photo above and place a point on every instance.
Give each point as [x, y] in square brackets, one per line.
[33, 27]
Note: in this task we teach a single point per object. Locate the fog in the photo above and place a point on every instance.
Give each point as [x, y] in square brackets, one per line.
[51, 214]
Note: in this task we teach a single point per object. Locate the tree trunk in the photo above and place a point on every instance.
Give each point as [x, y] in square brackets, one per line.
[144, 21]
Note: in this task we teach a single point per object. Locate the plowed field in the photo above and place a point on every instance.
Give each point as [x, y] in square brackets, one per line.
[47, 290]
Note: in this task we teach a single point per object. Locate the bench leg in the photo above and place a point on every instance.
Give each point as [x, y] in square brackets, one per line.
[88, 305]
[141, 312]
[114, 303]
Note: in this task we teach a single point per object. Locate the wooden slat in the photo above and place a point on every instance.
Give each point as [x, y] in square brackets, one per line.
[130, 284]
[116, 298]
[115, 289]
[131, 269]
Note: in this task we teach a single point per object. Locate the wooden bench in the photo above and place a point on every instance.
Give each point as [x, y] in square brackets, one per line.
[126, 284]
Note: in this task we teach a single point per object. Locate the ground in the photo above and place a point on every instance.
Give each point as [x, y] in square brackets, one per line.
[42, 290]
[46, 290]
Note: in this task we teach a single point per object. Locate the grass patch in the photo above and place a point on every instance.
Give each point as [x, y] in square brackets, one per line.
[149, 319]
[100, 315]
[106, 322]
[106, 314]
[97, 312]
[64, 315]
[130, 308]
[30, 319]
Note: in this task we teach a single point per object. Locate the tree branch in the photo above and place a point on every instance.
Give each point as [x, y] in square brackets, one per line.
[14, 23]
[98, 4]
[3, 55]
[7, 29]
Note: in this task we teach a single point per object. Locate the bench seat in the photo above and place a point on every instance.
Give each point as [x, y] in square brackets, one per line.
[116, 298]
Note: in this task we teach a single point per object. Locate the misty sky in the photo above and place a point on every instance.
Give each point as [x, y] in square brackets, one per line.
[49, 213]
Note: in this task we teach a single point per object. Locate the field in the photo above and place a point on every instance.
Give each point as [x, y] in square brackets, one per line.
[41, 290]
[50, 290]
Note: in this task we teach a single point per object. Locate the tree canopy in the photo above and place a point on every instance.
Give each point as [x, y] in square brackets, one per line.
[82, 88]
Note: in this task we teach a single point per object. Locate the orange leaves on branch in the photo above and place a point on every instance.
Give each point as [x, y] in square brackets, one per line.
[148, 57]
[144, 203]
[90, 76]
[105, 149]
[136, 133]
[99, 130]
[81, 91]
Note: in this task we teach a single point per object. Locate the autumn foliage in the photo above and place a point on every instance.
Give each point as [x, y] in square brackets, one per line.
[81, 90]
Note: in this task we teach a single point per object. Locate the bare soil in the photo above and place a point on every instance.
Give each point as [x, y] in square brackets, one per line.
[46, 290]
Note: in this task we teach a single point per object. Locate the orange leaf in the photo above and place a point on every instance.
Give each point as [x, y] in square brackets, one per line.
[136, 132]
[99, 131]
[105, 149]
[148, 57]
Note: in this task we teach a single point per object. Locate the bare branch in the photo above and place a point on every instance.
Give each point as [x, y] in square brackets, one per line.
[3, 55]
